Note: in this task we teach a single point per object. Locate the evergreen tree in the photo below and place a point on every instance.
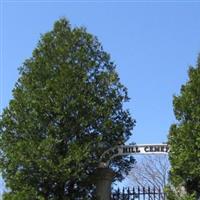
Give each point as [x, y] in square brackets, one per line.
[67, 109]
[184, 138]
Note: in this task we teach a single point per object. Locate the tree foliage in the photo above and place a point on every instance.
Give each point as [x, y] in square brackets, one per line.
[178, 193]
[67, 108]
[184, 138]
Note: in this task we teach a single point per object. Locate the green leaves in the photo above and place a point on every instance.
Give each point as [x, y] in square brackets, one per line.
[67, 100]
[178, 194]
[185, 135]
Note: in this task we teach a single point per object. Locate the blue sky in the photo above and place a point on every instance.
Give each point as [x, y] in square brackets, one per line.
[153, 43]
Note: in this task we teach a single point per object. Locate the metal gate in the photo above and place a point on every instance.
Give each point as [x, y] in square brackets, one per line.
[139, 193]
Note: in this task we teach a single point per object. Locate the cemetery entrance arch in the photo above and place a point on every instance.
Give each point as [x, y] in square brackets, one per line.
[105, 175]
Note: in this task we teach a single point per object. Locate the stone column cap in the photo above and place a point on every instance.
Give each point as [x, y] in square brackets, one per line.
[104, 173]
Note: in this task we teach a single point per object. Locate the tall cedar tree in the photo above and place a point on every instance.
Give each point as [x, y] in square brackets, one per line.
[184, 138]
[67, 109]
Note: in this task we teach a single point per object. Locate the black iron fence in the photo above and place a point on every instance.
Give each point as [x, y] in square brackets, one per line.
[139, 193]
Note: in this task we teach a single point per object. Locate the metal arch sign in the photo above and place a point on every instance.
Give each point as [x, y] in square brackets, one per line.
[141, 149]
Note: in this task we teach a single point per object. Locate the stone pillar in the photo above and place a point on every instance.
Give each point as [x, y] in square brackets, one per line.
[104, 178]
